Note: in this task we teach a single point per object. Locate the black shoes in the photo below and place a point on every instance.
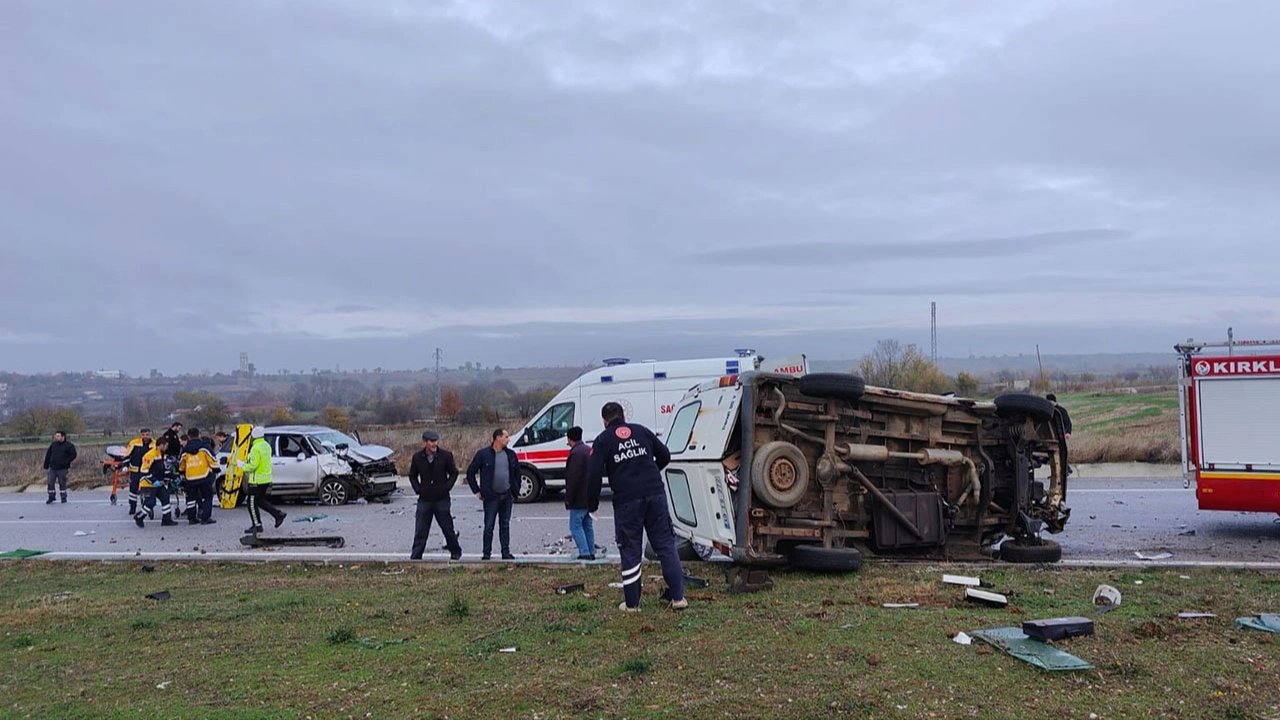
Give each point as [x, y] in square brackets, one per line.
[586, 557]
[484, 556]
[208, 521]
[64, 497]
[52, 497]
[280, 519]
[167, 521]
[253, 530]
[455, 556]
[138, 520]
[508, 556]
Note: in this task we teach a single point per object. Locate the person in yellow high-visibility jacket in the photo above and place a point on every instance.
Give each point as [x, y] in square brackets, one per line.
[198, 468]
[257, 470]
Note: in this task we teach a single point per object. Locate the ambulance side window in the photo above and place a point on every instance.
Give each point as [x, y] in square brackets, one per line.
[682, 428]
[553, 425]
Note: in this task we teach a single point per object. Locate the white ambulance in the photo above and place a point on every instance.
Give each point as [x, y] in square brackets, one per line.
[648, 392]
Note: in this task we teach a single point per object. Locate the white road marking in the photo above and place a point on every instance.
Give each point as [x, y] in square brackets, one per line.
[1108, 491]
[62, 522]
[560, 518]
[296, 554]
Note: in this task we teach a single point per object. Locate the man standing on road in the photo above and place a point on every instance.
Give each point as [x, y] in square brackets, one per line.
[1066, 416]
[499, 473]
[257, 469]
[57, 460]
[133, 454]
[174, 437]
[578, 499]
[433, 473]
[633, 457]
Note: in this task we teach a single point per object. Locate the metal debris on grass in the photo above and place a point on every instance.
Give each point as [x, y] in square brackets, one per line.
[1015, 643]
[1265, 622]
[1141, 555]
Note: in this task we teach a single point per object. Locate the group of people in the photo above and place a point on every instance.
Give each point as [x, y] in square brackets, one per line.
[629, 454]
[160, 468]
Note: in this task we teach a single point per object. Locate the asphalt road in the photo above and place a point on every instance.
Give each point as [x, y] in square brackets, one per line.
[1111, 519]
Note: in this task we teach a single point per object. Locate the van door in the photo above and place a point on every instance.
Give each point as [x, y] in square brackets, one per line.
[700, 503]
[700, 439]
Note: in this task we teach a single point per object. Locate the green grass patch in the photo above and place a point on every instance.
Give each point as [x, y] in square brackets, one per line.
[351, 642]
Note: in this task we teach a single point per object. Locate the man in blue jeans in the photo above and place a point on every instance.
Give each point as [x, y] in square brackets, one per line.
[499, 477]
[633, 457]
[578, 498]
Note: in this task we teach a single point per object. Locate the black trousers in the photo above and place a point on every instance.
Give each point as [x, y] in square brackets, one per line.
[439, 510]
[199, 497]
[258, 502]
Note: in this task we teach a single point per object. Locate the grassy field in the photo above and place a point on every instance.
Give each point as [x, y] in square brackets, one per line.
[266, 641]
[1115, 427]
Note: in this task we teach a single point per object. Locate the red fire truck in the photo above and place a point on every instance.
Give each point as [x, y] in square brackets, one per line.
[1229, 403]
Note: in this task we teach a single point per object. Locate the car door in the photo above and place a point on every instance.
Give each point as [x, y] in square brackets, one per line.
[295, 468]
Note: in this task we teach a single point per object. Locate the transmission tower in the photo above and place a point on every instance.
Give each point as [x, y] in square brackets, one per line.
[933, 331]
[439, 355]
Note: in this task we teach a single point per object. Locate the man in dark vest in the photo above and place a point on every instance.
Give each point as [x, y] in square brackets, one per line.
[432, 473]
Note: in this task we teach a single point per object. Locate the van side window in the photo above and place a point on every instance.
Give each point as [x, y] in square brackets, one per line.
[682, 428]
[681, 497]
[554, 424]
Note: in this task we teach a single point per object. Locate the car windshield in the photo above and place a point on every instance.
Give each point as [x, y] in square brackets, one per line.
[330, 439]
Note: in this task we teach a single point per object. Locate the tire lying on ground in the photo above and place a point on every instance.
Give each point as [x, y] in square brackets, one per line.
[1041, 551]
[1024, 404]
[832, 385]
[816, 558]
[779, 474]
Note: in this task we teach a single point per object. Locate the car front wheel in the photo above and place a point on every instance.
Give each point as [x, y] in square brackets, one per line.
[335, 491]
[530, 489]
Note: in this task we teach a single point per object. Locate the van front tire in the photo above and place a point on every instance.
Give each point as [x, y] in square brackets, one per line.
[531, 487]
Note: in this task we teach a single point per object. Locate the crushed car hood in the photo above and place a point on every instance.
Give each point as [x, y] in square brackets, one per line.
[369, 453]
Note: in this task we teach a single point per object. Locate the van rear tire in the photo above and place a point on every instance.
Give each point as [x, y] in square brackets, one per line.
[1024, 405]
[531, 488]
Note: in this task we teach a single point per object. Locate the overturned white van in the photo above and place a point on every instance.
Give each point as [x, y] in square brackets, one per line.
[812, 471]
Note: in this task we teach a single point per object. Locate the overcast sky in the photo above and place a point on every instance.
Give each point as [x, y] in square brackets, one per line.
[354, 182]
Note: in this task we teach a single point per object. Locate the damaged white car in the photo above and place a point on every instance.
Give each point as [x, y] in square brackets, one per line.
[312, 462]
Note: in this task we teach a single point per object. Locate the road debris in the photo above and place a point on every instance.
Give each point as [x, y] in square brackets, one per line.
[566, 589]
[164, 685]
[1015, 643]
[1265, 622]
[962, 638]
[1187, 533]
[697, 582]
[506, 650]
[21, 554]
[1057, 628]
[982, 597]
[1106, 598]
[311, 518]
[965, 580]
[370, 643]
[1196, 615]
[161, 596]
[82, 533]
[900, 606]
[1144, 555]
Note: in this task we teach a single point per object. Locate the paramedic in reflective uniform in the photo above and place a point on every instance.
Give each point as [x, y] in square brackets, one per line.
[632, 458]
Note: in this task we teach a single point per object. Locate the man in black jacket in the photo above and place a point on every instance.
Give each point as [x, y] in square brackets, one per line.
[57, 460]
[633, 457]
[499, 478]
[432, 473]
[578, 499]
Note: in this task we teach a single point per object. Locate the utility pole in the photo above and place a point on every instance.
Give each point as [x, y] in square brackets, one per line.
[933, 331]
[1040, 365]
[439, 355]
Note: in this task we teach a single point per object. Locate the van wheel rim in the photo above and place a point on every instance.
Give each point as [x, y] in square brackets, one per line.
[526, 486]
[782, 475]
